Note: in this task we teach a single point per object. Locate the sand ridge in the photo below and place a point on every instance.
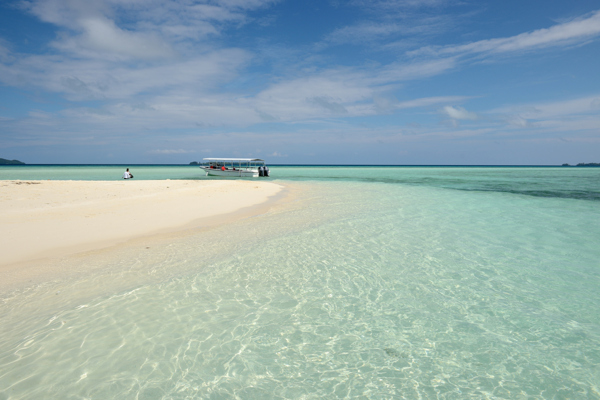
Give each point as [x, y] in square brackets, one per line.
[41, 219]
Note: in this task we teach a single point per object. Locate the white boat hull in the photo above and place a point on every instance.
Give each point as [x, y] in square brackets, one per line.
[243, 173]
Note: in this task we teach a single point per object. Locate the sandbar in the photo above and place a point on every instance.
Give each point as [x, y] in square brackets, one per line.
[45, 219]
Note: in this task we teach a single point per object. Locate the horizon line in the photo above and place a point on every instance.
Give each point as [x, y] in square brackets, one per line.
[312, 165]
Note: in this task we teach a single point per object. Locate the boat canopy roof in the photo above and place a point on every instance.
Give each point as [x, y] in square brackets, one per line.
[234, 159]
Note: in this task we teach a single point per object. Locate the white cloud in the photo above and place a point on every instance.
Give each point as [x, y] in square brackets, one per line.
[142, 29]
[169, 151]
[187, 93]
[101, 43]
[518, 121]
[558, 109]
[101, 36]
[566, 117]
[342, 92]
[567, 33]
[312, 96]
[328, 103]
[429, 101]
[104, 79]
[379, 32]
[66, 13]
[406, 71]
[404, 23]
[459, 113]
[363, 32]
[89, 30]
[398, 4]
[4, 52]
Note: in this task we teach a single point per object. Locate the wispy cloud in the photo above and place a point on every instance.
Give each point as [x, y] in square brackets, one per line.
[393, 24]
[567, 116]
[588, 105]
[363, 32]
[430, 101]
[4, 52]
[169, 71]
[347, 92]
[391, 5]
[381, 31]
[101, 37]
[189, 89]
[101, 79]
[576, 31]
[459, 113]
[140, 29]
[518, 121]
[170, 151]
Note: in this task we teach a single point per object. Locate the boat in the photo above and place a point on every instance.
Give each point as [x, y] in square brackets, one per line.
[235, 167]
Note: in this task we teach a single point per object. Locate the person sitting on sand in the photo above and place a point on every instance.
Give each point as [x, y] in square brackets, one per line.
[127, 174]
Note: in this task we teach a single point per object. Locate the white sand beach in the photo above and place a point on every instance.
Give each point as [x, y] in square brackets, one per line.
[41, 219]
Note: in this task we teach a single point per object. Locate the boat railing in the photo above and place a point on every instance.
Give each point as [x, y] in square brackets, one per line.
[237, 166]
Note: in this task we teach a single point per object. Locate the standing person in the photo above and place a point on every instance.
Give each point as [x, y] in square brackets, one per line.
[127, 174]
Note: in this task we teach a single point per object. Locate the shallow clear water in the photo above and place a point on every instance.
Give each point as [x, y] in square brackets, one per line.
[573, 182]
[387, 283]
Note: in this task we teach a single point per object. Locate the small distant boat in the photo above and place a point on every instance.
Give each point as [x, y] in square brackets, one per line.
[235, 167]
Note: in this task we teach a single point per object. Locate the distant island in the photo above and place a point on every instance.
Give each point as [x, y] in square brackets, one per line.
[593, 164]
[194, 163]
[10, 162]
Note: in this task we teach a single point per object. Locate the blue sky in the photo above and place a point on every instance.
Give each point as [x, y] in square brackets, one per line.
[330, 81]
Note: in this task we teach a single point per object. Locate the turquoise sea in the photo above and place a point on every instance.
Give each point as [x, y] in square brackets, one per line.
[365, 282]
